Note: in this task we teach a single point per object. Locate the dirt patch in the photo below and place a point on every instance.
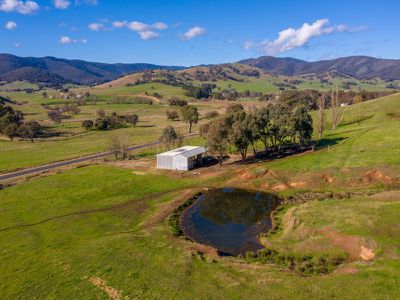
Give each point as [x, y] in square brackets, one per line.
[298, 184]
[281, 187]
[246, 175]
[347, 269]
[327, 178]
[355, 246]
[102, 285]
[139, 173]
[366, 253]
[371, 176]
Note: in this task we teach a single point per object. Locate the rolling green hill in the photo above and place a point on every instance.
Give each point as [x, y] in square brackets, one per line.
[100, 231]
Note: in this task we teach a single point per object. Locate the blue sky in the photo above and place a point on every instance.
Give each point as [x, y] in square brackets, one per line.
[198, 32]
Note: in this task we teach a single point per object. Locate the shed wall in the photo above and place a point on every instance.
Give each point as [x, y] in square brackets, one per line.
[165, 162]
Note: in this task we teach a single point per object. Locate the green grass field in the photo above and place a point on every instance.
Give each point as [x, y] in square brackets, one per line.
[71, 140]
[100, 230]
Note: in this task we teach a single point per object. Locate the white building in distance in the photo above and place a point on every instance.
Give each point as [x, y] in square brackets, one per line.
[183, 158]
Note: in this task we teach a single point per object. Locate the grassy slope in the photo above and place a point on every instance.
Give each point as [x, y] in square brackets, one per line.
[55, 258]
[367, 139]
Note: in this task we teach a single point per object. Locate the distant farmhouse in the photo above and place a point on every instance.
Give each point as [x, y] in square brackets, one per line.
[183, 158]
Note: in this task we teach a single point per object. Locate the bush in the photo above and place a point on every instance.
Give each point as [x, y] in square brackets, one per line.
[172, 115]
[88, 125]
[177, 102]
[305, 264]
[211, 114]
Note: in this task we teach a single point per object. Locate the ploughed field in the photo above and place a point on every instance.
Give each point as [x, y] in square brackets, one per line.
[102, 231]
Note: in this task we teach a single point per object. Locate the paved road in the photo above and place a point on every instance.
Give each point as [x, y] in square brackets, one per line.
[67, 162]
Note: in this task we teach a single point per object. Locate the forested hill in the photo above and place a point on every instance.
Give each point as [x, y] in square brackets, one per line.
[359, 67]
[55, 71]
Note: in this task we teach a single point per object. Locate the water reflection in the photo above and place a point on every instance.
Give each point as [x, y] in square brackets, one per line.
[230, 219]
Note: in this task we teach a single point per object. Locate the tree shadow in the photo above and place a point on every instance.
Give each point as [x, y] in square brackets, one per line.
[290, 150]
[327, 142]
[146, 126]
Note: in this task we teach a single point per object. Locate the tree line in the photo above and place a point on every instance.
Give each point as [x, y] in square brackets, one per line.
[12, 124]
[272, 125]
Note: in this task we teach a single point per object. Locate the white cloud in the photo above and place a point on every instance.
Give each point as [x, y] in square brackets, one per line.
[22, 7]
[119, 24]
[67, 40]
[194, 32]
[10, 25]
[95, 26]
[61, 4]
[248, 45]
[138, 26]
[148, 35]
[17, 45]
[159, 26]
[145, 31]
[87, 2]
[291, 38]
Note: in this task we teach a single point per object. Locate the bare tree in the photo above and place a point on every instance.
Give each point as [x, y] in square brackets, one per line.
[337, 113]
[321, 116]
[118, 145]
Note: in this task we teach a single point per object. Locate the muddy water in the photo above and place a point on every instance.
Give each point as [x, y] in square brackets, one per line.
[230, 219]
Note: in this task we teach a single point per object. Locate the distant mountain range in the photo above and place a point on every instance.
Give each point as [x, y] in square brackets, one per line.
[359, 67]
[55, 71]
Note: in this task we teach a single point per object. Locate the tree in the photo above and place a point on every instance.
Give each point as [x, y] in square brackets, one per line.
[337, 115]
[216, 136]
[189, 115]
[302, 125]
[101, 113]
[172, 115]
[44, 95]
[11, 130]
[9, 116]
[118, 145]
[30, 130]
[321, 116]
[264, 126]
[71, 109]
[251, 129]
[88, 125]
[132, 119]
[101, 123]
[168, 136]
[281, 127]
[55, 115]
[357, 99]
[237, 133]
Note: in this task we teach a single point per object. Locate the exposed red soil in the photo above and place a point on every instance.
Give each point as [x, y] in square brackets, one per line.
[355, 246]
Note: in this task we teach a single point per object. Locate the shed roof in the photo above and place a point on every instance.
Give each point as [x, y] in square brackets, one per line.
[186, 151]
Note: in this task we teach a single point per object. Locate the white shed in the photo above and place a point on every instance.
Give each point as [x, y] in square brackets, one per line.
[183, 158]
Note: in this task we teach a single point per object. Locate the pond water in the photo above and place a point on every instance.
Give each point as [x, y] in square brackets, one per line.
[229, 219]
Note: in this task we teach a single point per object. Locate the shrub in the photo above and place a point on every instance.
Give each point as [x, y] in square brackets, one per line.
[211, 114]
[88, 125]
[177, 102]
